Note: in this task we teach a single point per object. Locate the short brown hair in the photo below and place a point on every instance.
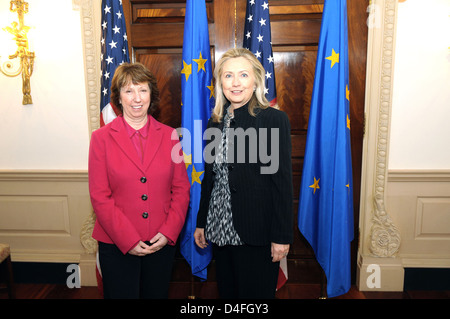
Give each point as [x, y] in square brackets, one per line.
[134, 73]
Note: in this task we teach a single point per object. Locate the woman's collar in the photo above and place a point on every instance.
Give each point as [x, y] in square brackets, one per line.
[239, 109]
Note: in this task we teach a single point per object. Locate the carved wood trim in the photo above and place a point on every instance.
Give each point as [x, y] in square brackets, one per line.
[384, 237]
[90, 25]
[90, 15]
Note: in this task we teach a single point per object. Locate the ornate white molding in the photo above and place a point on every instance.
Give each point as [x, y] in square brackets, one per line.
[90, 25]
[91, 49]
[419, 175]
[43, 176]
[384, 236]
[89, 243]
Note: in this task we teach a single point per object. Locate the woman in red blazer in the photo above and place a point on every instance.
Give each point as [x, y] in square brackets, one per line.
[139, 194]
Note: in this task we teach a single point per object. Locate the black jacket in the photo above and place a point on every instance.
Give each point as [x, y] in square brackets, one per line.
[261, 203]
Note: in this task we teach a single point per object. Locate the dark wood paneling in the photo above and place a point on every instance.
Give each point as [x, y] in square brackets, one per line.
[294, 72]
[168, 79]
[155, 33]
[357, 43]
[301, 32]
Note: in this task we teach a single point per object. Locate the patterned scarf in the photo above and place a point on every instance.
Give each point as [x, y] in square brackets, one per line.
[219, 224]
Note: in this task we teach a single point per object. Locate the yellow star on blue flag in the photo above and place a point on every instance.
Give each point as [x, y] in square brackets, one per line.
[315, 185]
[334, 58]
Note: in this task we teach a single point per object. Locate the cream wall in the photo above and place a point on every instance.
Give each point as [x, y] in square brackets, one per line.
[45, 210]
[405, 194]
[419, 161]
[52, 133]
[421, 99]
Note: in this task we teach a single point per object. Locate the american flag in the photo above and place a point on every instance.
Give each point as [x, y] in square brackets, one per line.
[114, 45]
[114, 52]
[257, 38]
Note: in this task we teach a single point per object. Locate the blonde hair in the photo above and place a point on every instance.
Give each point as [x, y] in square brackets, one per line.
[258, 99]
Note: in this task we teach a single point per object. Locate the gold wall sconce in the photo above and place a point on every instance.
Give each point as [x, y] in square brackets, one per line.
[22, 61]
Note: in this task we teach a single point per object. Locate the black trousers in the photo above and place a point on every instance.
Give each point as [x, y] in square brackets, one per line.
[133, 277]
[246, 272]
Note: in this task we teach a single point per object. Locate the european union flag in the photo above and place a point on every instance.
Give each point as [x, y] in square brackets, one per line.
[198, 99]
[325, 214]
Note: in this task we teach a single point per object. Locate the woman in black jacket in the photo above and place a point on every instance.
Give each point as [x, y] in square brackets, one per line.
[246, 197]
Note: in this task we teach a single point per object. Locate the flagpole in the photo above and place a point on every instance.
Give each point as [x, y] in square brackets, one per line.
[323, 286]
[197, 102]
[192, 294]
[235, 24]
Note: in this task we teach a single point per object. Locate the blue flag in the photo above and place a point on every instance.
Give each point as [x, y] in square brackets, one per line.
[197, 101]
[257, 38]
[114, 45]
[325, 213]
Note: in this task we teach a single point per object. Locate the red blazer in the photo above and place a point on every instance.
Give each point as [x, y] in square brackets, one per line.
[134, 200]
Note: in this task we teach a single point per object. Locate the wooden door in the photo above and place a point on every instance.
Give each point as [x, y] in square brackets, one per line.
[155, 33]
